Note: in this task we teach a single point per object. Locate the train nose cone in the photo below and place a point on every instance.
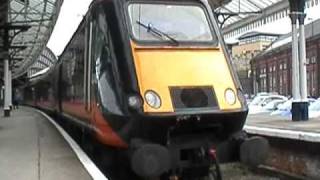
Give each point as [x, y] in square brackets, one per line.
[150, 160]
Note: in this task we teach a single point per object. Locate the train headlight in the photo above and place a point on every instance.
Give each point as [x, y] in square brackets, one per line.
[135, 101]
[153, 99]
[230, 96]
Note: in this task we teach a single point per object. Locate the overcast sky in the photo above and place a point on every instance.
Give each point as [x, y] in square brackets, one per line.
[72, 12]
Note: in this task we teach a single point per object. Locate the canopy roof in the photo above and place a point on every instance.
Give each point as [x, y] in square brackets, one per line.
[240, 9]
[30, 23]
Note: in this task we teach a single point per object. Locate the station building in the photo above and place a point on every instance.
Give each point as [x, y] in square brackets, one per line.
[271, 69]
[249, 46]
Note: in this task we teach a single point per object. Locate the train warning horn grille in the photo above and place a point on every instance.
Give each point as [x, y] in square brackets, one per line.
[193, 97]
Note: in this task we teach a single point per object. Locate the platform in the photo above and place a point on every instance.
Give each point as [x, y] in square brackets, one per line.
[283, 127]
[31, 148]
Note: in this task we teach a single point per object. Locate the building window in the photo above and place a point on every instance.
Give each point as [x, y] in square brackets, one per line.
[274, 78]
[270, 83]
[280, 84]
[314, 83]
[309, 83]
[285, 83]
[263, 84]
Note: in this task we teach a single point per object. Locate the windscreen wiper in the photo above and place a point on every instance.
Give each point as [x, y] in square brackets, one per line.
[158, 32]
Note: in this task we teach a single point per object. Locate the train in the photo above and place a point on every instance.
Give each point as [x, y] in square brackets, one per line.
[152, 81]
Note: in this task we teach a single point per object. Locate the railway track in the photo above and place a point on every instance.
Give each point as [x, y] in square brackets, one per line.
[238, 171]
[287, 160]
[295, 159]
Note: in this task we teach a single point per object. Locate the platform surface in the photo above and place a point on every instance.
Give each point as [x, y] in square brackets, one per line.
[281, 122]
[32, 149]
[281, 126]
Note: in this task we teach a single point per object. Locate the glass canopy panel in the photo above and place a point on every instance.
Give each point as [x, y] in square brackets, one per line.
[40, 17]
[244, 8]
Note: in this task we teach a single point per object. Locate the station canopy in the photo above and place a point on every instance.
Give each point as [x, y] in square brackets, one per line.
[236, 10]
[35, 19]
[30, 24]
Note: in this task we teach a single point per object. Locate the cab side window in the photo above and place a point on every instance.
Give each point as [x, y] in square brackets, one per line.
[103, 67]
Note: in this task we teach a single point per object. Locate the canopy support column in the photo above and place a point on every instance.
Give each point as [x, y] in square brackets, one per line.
[299, 78]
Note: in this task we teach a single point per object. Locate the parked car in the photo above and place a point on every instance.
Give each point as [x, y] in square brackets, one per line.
[257, 104]
[284, 109]
[314, 109]
[272, 105]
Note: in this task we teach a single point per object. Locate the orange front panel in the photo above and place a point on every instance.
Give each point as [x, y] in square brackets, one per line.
[158, 69]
